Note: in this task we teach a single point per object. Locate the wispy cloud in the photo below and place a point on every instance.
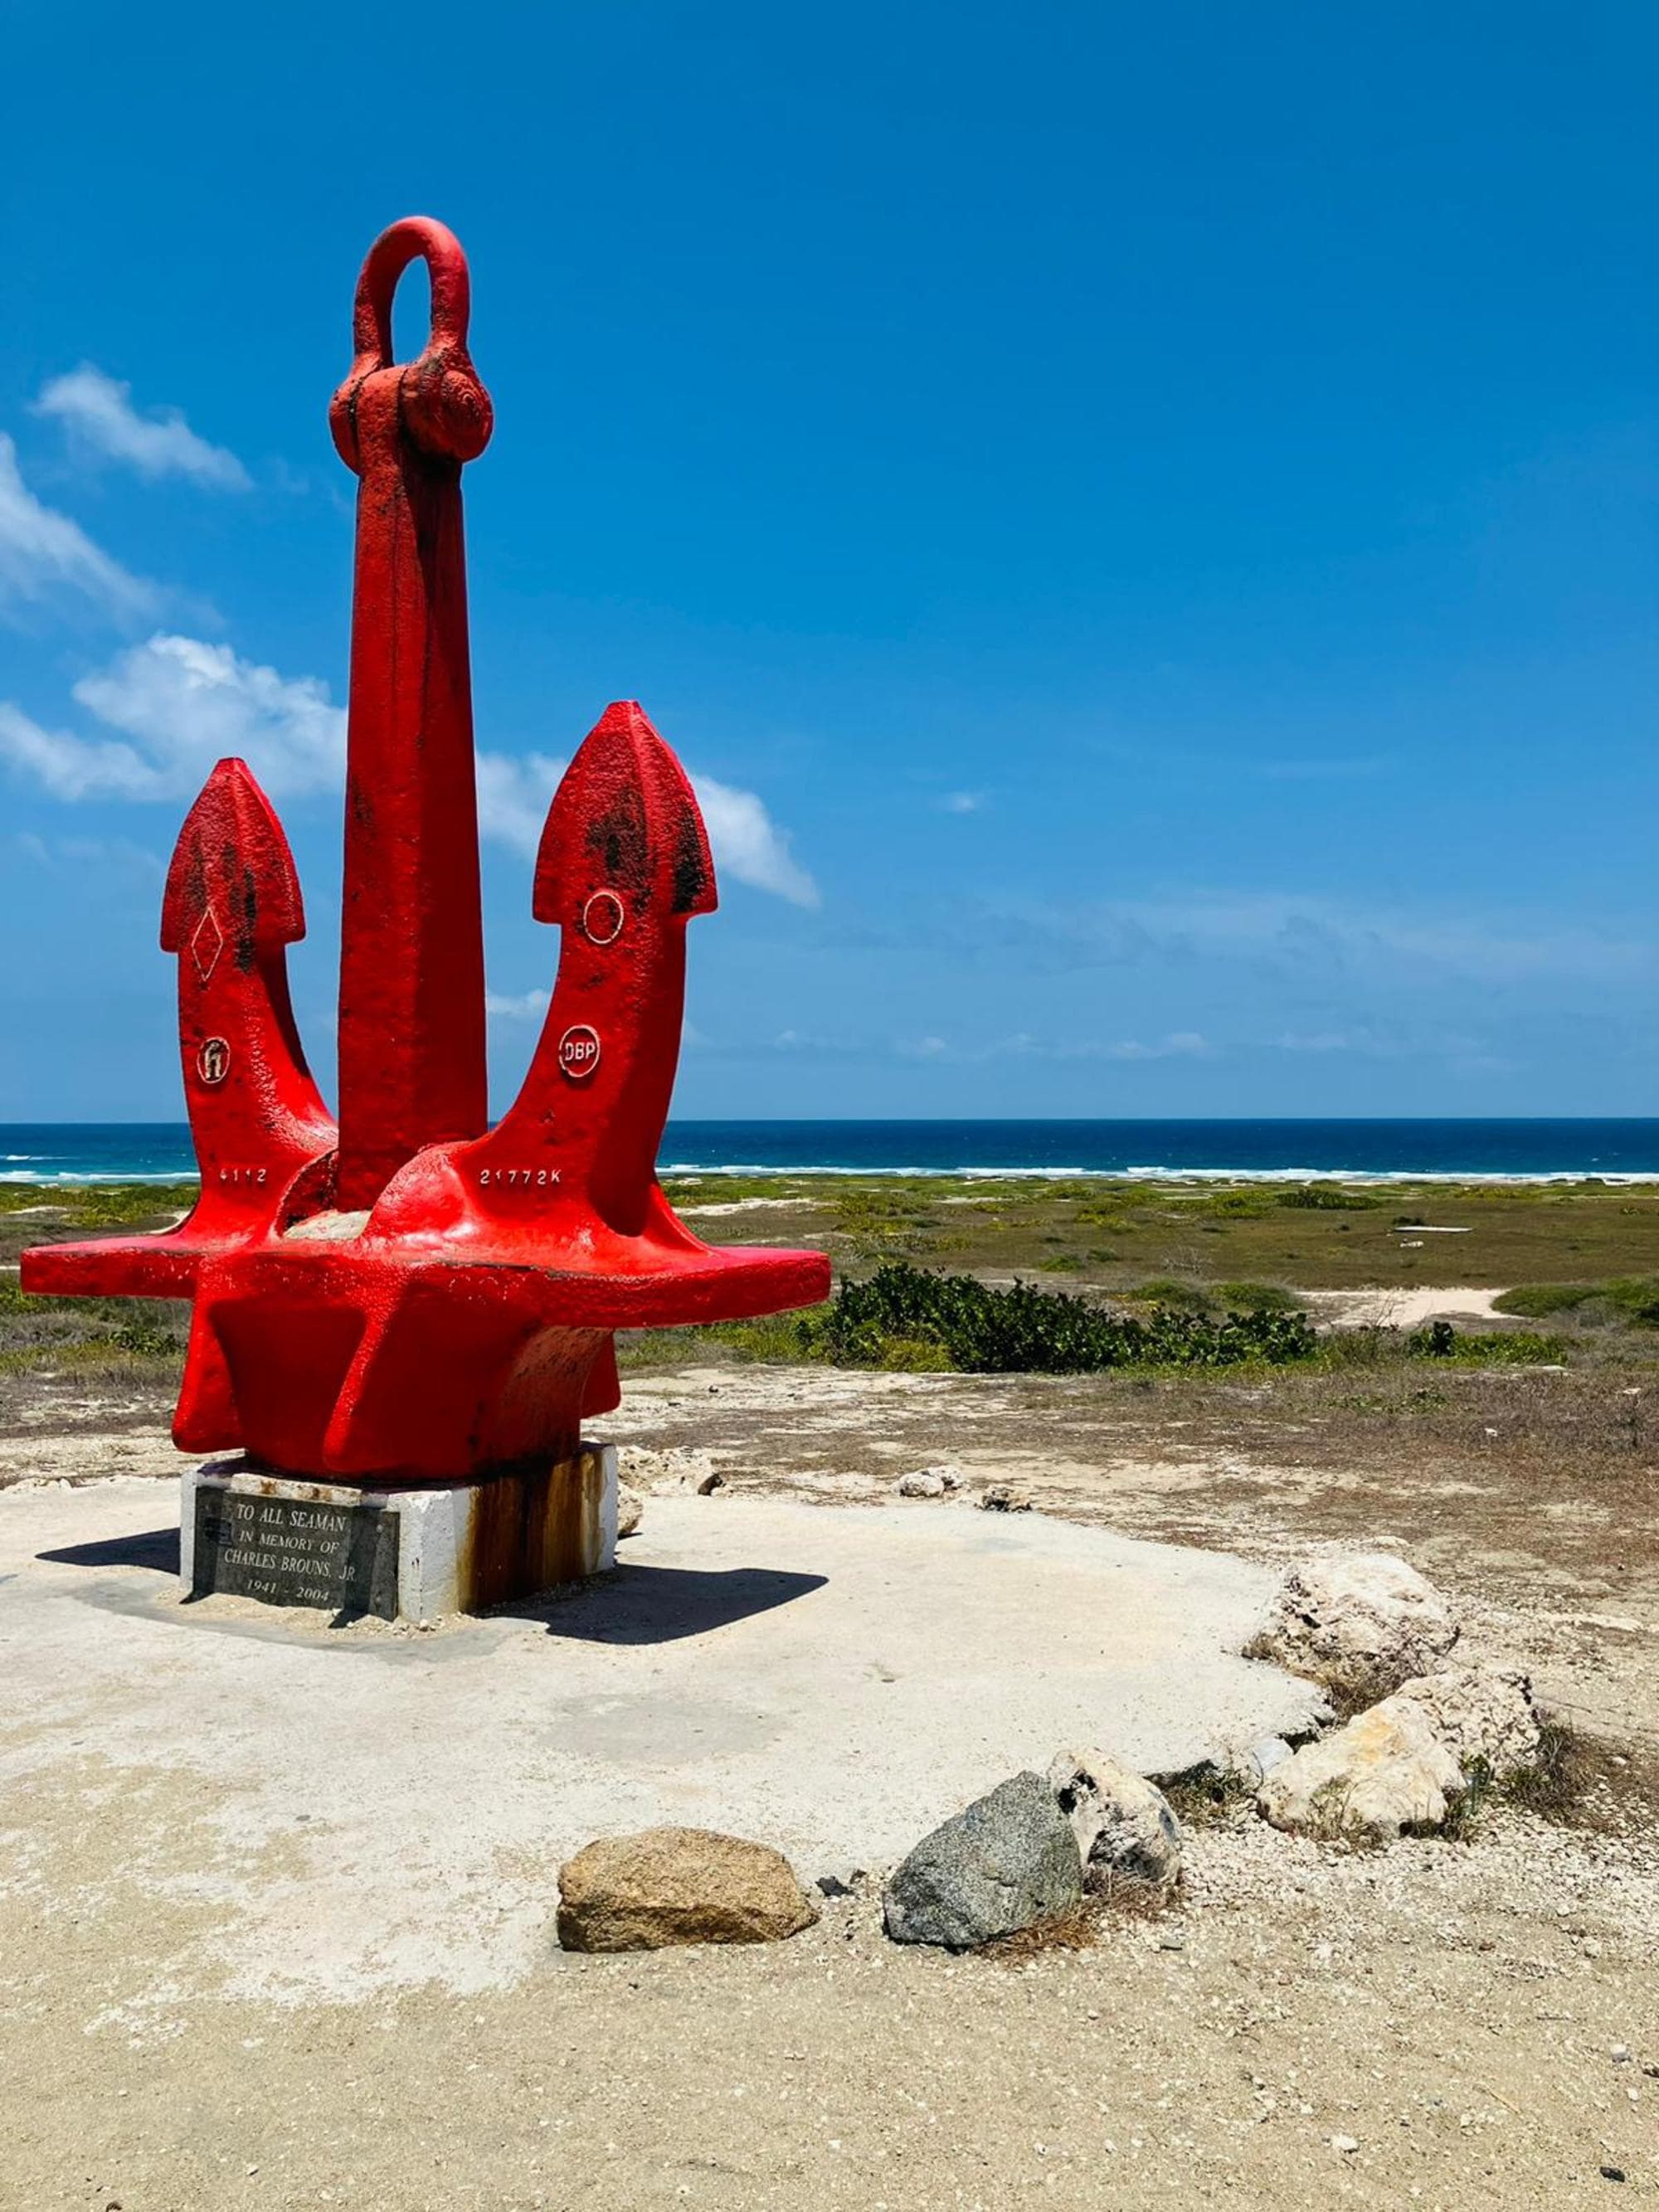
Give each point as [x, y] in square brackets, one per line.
[179, 704]
[1183, 1044]
[1180, 1044]
[103, 853]
[44, 555]
[101, 420]
[747, 842]
[962, 802]
[1310, 935]
[514, 792]
[514, 789]
[519, 1006]
[1358, 769]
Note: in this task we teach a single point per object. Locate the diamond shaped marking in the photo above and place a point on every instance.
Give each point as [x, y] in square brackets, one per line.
[206, 942]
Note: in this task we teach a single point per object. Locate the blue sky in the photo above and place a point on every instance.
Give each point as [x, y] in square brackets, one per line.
[1138, 521]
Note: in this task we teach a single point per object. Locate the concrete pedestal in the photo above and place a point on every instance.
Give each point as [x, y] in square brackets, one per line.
[404, 1554]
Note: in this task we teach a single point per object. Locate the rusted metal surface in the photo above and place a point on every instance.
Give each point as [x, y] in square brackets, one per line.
[531, 1530]
[417, 1297]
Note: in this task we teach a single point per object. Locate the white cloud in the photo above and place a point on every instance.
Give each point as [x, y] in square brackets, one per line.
[1184, 1044]
[185, 704]
[100, 418]
[519, 1006]
[1181, 1044]
[75, 767]
[514, 791]
[747, 844]
[43, 553]
[84, 854]
[180, 704]
[1280, 931]
[962, 802]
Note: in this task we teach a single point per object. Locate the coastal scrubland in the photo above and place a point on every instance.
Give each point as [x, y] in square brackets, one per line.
[1464, 1373]
[1335, 1284]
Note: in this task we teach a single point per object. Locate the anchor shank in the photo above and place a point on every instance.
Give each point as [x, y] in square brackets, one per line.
[411, 1044]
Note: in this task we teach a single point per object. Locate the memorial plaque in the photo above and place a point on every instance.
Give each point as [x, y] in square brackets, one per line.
[296, 1551]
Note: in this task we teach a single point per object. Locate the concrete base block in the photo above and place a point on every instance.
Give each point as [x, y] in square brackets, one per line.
[408, 1554]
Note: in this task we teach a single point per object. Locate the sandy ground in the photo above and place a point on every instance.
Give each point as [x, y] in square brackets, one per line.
[829, 1683]
[1387, 1309]
[1555, 1565]
[1445, 2023]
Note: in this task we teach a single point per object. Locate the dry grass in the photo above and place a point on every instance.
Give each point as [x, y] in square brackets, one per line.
[1110, 1899]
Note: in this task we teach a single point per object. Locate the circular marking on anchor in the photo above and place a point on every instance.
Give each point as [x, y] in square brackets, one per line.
[603, 918]
[213, 1059]
[579, 1051]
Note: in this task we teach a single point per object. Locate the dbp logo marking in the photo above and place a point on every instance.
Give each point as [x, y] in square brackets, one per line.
[579, 1051]
[213, 1059]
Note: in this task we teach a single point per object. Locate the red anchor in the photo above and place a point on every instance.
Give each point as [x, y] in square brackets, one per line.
[415, 1296]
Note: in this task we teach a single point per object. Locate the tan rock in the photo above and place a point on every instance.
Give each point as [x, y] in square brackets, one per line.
[1386, 1770]
[630, 1511]
[668, 1886]
[1362, 1623]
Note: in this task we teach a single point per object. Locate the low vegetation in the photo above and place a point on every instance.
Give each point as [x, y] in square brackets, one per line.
[902, 1310]
[1633, 1299]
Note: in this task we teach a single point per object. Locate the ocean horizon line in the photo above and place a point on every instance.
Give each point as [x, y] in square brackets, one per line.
[1370, 1149]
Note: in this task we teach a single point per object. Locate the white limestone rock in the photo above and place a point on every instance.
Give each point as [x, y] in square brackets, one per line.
[681, 1470]
[929, 1482]
[630, 1511]
[1386, 1770]
[1361, 1623]
[1479, 1713]
[1124, 1825]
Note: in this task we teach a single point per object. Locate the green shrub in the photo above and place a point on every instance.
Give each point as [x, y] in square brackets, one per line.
[1536, 1301]
[1235, 1205]
[1631, 1298]
[1256, 1298]
[1485, 1348]
[1027, 1331]
[1320, 1198]
[1165, 1291]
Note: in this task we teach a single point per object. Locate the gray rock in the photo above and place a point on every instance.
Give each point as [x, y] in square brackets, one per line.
[1256, 1764]
[1009, 1860]
[844, 1881]
[1124, 1825]
[1362, 1623]
[1000, 1498]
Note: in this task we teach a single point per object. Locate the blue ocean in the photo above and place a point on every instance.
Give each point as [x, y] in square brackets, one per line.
[160, 1152]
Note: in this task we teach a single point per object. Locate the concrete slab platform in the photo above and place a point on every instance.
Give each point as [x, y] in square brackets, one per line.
[380, 1805]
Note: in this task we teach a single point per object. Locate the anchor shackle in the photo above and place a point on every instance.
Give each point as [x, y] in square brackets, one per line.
[440, 405]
